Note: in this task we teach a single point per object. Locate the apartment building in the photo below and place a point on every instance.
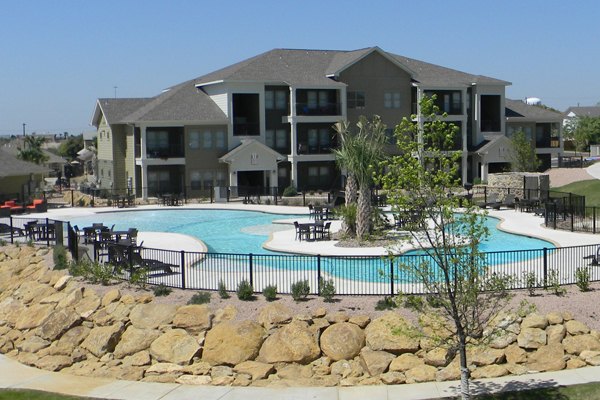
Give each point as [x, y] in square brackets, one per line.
[267, 121]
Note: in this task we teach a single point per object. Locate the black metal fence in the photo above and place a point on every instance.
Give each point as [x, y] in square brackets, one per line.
[351, 275]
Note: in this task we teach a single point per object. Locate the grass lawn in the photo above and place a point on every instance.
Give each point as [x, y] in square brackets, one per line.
[588, 391]
[590, 189]
[9, 394]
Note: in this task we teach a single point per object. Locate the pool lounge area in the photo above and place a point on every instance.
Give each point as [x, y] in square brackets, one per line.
[354, 270]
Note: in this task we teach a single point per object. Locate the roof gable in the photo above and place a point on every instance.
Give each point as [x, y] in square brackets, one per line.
[345, 60]
[244, 153]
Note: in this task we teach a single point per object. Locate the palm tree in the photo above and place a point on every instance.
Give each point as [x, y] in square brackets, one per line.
[360, 154]
[32, 150]
[344, 155]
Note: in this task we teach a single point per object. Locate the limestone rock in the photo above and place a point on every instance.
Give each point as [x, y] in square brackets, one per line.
[423, 373]
[361, 320]
[393, 378]
[532, 338]
[162, 368]
[294, 342]
[61, 283]
[515, 355]
[193, 317]
[294, 371]
[111, 296]
[404, 362]
[489, 371]
[221, 370]
[231, 343]
[134, 340]
[547, 358]
[342, 341]
[274, 314]
[58, 322]
[88, 305]
[375, 362]
[347, 369]
[556, 333]
[103, 339]
[482, 356]
[391, 333]
[138, 359]
[54, 363]
[152, 316]
[226, 313]
[71, 299]
[337, 317]
[198, 368]
[576, 328]
[554, 318]
[319, 312]
[255, 369]
[503, 340]
[579, 343]
[437, 357]
[175, 346]
[574, 363]
[34, 316]
[194, 380]
[534, 321]
[33, 344]
[451, 372]
[590, 357]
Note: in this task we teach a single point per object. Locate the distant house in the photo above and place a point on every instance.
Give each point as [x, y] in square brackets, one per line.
[19, 179]
[572, 113]
[53, 163]
[267, 121]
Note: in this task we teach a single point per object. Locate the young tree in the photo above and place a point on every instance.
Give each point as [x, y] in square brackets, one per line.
[71, 146]
[453, 273]
[360, 154]
[523, 157]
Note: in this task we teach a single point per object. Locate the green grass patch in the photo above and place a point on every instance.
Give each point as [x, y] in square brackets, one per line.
[522, 391]
[9, 394]
[590, 189]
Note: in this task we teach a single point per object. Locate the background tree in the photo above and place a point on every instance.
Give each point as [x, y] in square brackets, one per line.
[344, 155]
[523, 156]
[453, 272]
[360, 153]
[70, 147]
[32, 150]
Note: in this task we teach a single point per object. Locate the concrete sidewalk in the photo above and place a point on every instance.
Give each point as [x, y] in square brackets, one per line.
[17, 376]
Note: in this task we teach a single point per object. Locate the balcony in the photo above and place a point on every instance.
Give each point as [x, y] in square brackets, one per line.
[326, 109]
[246, 129]
[165, 152]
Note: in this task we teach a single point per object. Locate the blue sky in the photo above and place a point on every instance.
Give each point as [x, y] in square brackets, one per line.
[58, 57]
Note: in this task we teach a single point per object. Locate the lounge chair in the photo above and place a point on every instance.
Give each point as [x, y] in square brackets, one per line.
[38, 205]
[150, 264]
[7, 229]
[492, 201]
[595, 258]
[508, 202]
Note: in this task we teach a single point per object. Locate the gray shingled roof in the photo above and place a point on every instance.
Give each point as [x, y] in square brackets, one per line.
[593, 111]
[300, 68]
[10, 165]
[517, 110]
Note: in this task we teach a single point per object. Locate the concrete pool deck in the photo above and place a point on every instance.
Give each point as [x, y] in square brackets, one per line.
[512, 221]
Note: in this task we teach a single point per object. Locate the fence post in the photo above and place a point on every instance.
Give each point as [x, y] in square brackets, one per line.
[48, 232]
[318, 274]
[391, 277]
[182, 269]
[545, 267]
[73, 198]
[594, 219]
[304, 198]
[12, 234]
[251, 274]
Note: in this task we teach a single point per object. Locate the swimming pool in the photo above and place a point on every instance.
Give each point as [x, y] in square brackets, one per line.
[243, 232]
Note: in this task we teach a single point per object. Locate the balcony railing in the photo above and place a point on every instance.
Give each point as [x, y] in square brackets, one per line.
[246, 129]
[165, 152]
[321, 109]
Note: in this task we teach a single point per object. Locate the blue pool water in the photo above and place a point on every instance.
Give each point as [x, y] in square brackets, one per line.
[243, 232]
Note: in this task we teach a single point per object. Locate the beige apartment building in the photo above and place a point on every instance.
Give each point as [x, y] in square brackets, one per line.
[267, 121]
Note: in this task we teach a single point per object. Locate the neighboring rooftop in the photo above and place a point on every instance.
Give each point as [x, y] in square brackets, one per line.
[592, 111]
[10, 165]
[518, 110]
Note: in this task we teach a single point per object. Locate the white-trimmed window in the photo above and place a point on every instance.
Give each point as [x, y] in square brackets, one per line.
[280, 100]
[196, 180]
[207, 180]
[311, 99]
[281, 137]
[313, 138]
[324, 138]
[269, 100]
[270, 138]
[356, 99]
[207, 140]
[391, 99]
[220, 142]
[194, 140]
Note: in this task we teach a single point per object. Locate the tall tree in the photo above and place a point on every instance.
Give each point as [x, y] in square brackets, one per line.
[523, 156]
[32, 150]
[71, 146]
[360, 154]
[453, 271]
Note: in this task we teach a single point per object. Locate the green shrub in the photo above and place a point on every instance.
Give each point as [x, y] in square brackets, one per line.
[327, 290]
[139, 278]
[3, 242]
[582, 278]
[347, 213]
[223, 290]
[414, 302]
[162, 290]
[200, 298]
[93, 272]
[290, 191]
[530, 282]
[300, 290]
[270, 292]
[60, 257]
[553, 283]
[245, 291]
[387, 303]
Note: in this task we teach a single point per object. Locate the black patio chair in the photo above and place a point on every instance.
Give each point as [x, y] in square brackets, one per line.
[595, 258]
[7, 229]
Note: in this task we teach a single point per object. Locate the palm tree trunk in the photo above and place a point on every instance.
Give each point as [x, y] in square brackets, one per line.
[351, 189]
[363, 213]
